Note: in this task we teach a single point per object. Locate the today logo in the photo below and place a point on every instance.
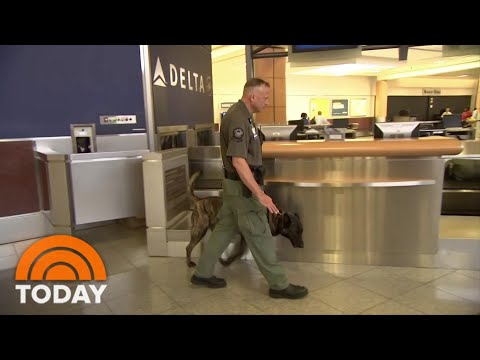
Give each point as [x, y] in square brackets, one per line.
[60, 258]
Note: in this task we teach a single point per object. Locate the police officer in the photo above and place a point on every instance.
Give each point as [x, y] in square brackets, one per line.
[244, 201]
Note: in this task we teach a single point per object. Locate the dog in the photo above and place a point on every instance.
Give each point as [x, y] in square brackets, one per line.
[204, 217]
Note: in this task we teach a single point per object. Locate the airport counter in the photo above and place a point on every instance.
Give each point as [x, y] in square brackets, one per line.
[361, 201]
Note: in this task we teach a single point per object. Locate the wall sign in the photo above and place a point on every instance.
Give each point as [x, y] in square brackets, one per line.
[358, 107]
[226, 105]
[340, 107]
[430, 91]
[182, 84]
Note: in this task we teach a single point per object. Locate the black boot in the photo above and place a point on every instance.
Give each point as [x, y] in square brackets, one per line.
[290, 292]
[211, 282]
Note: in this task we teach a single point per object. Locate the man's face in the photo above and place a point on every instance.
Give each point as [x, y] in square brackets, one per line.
[260, 97]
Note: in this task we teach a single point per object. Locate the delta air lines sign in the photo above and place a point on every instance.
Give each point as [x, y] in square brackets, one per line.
[181, 78]
[184, 78]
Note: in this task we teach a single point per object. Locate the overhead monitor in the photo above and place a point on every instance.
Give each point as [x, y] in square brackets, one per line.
[317, 55]
[279, 132]
[396, 130]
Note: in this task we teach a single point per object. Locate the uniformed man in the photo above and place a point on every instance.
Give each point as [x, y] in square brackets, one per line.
[244, 201]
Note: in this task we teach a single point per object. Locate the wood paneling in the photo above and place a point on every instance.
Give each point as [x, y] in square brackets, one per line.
[273, 71]
[279, 66]
[18, 185]
[280, 93]
[263, 67]
[265, 117]
[280, 115]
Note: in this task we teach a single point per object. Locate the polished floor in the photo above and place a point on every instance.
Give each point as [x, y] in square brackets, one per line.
[139, 284]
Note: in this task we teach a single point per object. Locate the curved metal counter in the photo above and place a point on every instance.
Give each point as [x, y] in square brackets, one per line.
[361, 202]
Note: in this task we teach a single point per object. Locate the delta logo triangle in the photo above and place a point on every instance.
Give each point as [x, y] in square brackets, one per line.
[159, 76]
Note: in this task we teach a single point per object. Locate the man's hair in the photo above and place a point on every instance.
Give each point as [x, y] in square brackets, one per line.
[253, 83]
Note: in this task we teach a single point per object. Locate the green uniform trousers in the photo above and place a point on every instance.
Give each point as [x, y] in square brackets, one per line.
[247, 216]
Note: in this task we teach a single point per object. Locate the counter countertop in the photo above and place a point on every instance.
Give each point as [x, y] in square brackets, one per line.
[425, 146]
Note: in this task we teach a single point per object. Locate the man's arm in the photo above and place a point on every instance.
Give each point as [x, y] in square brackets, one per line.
[243, 170]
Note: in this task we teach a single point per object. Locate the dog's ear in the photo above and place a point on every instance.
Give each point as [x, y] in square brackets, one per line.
[286, 220]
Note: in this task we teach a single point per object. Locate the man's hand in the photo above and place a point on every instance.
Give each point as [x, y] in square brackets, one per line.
[267, 201]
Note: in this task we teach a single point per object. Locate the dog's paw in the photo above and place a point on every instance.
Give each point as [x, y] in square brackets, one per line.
[191, 264]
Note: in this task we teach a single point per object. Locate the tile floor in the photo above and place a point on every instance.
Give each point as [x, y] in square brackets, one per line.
[139, 284]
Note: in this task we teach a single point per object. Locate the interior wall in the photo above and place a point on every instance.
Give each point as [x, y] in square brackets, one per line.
[46, 88]
[229, 76]
[301, 89]
[415, 86]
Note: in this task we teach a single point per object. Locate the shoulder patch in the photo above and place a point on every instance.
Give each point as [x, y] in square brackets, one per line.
[238, 134]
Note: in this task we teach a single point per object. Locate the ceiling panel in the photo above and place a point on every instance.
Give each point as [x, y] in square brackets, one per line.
[378, 63]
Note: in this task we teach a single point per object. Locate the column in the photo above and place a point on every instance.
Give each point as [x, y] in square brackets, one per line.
[273, 71]
[381, 100]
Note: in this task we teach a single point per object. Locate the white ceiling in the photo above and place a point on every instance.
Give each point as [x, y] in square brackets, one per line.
[422, 61]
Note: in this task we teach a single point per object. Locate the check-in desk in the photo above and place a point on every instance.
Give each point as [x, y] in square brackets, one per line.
[361, 201]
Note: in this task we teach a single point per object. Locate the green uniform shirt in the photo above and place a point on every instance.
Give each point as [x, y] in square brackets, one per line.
[239, 137]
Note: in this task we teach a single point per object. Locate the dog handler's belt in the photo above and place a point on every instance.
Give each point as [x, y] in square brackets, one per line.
[231, 175]
[257, 172]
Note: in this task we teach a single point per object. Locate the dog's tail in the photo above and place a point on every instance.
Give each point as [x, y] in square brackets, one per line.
[191, 184]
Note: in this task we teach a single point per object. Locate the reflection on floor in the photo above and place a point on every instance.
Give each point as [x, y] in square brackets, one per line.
[139, 284]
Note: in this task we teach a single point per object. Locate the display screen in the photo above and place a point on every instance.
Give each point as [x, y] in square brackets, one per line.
[452, 121]
[396, 130]
[278, 132]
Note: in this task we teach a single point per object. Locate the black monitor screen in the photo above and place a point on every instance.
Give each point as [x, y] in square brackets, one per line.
[298, 123]
[396, 130]
[278, 132]
[340, 123]
[452, 121]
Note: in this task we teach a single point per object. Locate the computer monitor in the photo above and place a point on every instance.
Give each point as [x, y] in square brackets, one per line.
[452, 121]
[340, 123]
[298, 123]
[278, 132]
[396, 130]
